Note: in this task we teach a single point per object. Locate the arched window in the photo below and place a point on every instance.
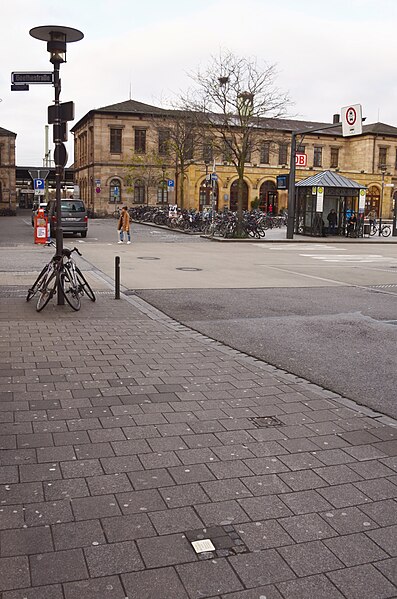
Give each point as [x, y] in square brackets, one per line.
[268, 198]
[205, 197]
[372, 200]
[162, 192]
[1, 191]
[234, 195]
[115, 191]
[139, 191]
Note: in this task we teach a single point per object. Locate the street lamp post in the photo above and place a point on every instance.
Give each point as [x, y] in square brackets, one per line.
[57, 37]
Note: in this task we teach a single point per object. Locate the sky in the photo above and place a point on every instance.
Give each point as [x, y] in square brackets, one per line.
[327, 55]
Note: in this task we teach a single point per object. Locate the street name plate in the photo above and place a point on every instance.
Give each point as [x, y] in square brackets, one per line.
[32, 77]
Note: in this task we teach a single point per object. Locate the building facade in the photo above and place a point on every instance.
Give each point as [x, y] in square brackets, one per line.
[122, 156]
[7, 172]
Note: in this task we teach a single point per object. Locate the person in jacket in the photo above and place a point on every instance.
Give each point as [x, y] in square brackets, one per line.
[332, 219]
[124, 225]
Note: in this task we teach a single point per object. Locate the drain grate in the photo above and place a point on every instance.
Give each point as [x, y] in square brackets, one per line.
[265, 421]
[216, 541]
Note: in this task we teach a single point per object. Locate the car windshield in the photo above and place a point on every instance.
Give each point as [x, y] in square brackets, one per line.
[73, 206]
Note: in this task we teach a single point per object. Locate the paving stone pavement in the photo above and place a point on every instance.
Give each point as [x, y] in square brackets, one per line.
[125, 437]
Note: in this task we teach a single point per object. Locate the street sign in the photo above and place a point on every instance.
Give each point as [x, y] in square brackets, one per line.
[39, 192]
[60, 155]
[300, 159]
[214, 177]
[19, 78]
[116, 191]
[282, 181]
[171, 183]
[38, 184]
[19, 88]
[352, 122]
[66, 112]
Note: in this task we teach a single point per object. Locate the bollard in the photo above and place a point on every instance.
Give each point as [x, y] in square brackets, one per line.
[117, 277]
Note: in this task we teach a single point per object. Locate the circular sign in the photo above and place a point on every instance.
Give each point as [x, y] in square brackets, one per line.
[351, 115]
[60, 155]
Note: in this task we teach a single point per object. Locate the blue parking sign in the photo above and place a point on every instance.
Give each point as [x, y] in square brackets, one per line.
[38, 184]
[171, 183]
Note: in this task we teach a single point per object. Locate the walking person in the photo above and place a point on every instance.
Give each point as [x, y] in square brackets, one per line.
[332, 219]
[124, 225]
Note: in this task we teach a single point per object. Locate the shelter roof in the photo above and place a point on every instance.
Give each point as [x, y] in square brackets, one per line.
[5, 132]
[329, 179]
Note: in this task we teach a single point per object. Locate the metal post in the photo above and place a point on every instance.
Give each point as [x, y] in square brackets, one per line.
[117, 277]
[394, 216]
[291, 190]
[381, 202]
[58, 173]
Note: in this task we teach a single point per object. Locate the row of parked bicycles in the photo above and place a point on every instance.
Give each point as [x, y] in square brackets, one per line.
[223, 224]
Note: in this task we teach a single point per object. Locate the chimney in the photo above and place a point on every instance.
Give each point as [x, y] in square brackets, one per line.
[336, 119]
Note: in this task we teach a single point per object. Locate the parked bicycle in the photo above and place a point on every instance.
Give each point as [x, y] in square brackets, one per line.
[61, 273]
[385, 230]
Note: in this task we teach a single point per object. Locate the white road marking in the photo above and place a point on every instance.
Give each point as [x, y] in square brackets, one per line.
[349, 258]
[307, 247]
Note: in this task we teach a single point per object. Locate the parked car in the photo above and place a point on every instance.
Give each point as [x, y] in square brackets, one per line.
[73, 215]
[36, 207]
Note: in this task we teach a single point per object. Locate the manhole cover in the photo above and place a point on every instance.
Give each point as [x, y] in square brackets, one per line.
[189, 268]
[264, 421]
[147, 258]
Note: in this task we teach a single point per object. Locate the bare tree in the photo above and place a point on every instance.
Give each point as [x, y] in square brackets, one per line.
[181, 140]
[231, 98]
[148, 168]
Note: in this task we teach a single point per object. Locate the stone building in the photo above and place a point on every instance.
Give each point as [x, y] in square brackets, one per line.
[121, 156]
[7, 171]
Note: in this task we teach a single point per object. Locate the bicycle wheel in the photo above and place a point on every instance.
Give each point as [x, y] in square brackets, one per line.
[37, 284]
[70, 289]
[84, 285]
[373, 231]
[47, 291]
[386, 231]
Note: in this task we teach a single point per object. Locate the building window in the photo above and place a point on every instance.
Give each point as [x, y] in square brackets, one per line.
[140, 141]
[301, 149]
[139, 192]
[265, 153]
[395, 162]
[227, 151]
[1, 191]
[115, 141]
[283, 153]
[334, 158]
[164, 142]
[115, 191]
[382, 157]
[318, 156]
[162, 192]
[188, 148]
[208, 154]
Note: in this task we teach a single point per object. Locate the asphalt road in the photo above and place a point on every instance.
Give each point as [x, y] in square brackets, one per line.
[326, 312]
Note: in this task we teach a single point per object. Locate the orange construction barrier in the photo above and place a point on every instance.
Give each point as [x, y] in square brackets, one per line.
[41, 227]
